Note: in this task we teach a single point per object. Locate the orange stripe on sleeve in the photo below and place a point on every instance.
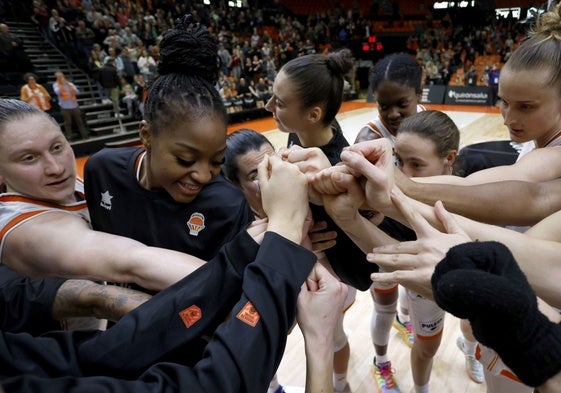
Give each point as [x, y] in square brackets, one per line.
[19, 198]
[17, 220]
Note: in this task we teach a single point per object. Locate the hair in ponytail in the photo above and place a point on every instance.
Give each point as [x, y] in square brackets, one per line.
[318, 80]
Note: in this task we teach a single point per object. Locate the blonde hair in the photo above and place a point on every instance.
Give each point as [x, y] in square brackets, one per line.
[541, 50]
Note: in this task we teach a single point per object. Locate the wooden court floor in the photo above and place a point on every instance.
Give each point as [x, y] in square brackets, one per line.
[476, 124]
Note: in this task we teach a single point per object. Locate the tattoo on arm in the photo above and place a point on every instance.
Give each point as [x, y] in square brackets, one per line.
[81, 298]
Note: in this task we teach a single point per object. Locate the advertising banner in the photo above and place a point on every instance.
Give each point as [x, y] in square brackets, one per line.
[466, 95]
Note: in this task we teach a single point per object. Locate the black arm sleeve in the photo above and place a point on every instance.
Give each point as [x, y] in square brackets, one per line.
[143, 336]
[26, 304]
[242, 356]
[346, 258]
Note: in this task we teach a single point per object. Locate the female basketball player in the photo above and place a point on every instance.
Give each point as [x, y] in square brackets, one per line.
[44, 225]
[170, 193]
[307, 94]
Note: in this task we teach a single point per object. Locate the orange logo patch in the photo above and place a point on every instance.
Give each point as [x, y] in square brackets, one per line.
[191, 315]
[249, 315]
[196, 224]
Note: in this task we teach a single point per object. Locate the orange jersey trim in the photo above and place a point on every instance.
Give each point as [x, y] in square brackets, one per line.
[429, 338]
[17, 220]
[18, 198]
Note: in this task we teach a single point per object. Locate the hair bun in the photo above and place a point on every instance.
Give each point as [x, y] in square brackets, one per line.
[188, 49]
[340, 62]
[549, 23]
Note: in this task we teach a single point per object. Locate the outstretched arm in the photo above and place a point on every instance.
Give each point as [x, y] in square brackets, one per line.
[263, 310]
[57, 244]
[536, 257]
[255, 334]
[77, 298]
[509, 202]
[537, 166]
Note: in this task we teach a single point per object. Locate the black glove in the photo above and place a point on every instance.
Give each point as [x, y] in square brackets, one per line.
[482, 282]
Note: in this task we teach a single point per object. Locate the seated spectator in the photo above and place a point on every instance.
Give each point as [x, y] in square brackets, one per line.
[471, 77]
[263, 90]
[113, 40]
[117, 60]
[129, 68]
[101, 53]
[11, 51]
[433, 75]
[94, 62]
[139, 87]
[128, 36]
[84, 39]
[242, 89]
[146, 65]
[228, 94]
[129, 97]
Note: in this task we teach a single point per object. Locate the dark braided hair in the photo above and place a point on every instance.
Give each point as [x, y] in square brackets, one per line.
[188, 71]
[400, 68]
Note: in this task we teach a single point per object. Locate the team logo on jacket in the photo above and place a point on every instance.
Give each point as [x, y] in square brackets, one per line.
[191, 315]
[196, 224]
[249, 314]
[106, 200]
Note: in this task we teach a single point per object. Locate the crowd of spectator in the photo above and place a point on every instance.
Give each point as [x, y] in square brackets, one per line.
[254, 43]
[449, 51]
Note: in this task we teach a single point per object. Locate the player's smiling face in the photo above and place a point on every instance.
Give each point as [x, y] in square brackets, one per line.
[181, 159]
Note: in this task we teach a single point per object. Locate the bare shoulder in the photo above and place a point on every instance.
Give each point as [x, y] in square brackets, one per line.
[36, 246]
[540, 165]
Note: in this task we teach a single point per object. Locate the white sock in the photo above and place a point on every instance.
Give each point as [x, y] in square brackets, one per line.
[422, 389]
[469, 347]
[403, 300]
[381, 323]
[381, 358]
[339, 381]
[403, 317]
